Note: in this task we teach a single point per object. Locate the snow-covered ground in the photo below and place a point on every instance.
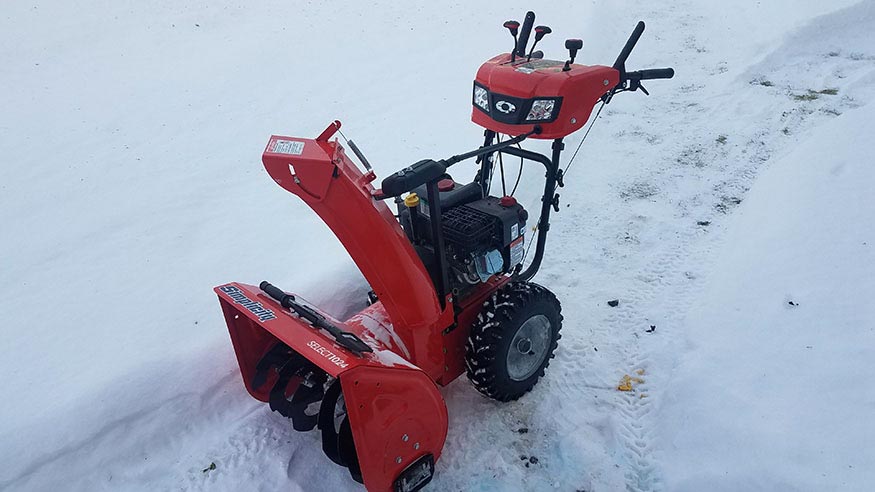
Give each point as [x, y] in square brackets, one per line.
[130, 137]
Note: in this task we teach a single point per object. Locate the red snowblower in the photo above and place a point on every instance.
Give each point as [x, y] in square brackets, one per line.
[449, 291]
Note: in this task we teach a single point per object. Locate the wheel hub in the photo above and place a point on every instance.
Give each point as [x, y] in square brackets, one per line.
[524, 345]
[529, 347]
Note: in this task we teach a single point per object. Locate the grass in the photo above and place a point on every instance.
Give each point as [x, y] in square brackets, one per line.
[812, 95]
[809, 96]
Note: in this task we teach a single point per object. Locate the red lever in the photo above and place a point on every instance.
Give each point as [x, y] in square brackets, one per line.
[329, 131]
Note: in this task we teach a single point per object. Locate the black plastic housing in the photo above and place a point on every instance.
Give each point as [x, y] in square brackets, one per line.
[412, 176]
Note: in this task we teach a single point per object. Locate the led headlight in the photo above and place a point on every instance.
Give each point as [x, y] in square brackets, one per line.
[542, 109]
[481, 97]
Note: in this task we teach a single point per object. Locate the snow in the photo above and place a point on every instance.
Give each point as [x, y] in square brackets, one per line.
[782, 336]
[130, 134]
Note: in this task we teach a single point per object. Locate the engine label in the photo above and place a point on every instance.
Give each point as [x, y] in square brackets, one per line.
[290, 147]
[254, 307]
[517, 251]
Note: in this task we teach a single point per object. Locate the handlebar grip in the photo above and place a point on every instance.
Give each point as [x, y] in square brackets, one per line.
[276, 293]
[408, 178]
[656, 73]
[633, 39]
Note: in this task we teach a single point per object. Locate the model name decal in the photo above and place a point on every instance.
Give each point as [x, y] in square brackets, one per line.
[324, 352]
[254, 307]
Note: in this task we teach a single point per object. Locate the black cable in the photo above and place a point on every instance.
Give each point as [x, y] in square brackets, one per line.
[520, 175]
[526, 253]
[501, 165]
[584, 138]
[491, 173]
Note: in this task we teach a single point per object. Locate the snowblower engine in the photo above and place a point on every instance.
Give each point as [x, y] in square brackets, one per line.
[483, 236]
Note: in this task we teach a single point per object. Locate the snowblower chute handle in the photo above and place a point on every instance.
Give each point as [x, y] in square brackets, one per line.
[281, 297]
[345, 339]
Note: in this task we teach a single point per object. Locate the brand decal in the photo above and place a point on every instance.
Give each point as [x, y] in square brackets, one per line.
[505, 107]
[254, 307]
[328, 354]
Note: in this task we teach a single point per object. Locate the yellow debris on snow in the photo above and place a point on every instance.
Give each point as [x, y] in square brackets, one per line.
[627, 382]
[640, 372]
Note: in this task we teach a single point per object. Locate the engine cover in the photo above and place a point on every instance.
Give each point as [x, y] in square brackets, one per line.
[484, 237]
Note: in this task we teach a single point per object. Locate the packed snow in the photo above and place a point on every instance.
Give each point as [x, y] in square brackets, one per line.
[729, 213]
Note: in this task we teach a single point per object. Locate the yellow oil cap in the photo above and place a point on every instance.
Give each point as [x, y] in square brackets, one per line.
[412, 200]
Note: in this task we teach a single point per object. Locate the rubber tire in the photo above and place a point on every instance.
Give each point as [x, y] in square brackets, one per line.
[493, 330]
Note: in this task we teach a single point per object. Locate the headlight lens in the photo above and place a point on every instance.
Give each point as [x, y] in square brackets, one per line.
[542, 109]
[481, 98]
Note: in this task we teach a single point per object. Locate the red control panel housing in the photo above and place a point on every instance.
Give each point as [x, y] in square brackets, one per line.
[513, 87]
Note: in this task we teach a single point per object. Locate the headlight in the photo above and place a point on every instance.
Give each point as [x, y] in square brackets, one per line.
[542, 109]
[481, 98]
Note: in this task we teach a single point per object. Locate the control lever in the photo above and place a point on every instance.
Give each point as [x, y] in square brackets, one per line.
[524, 34]
[540, 32]
[637, 85]
[514, 27]
[573, 46]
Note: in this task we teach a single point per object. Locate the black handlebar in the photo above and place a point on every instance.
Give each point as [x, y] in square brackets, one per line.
[631, 81]
[650, 73]
[620, 63]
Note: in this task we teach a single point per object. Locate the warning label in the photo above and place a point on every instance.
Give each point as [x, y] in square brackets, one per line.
[291, 147]
[517, 250]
